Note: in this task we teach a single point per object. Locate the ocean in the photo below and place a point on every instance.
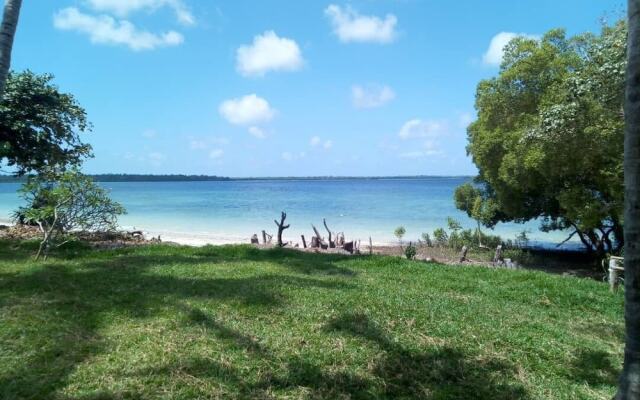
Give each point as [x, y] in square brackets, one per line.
[231, 211]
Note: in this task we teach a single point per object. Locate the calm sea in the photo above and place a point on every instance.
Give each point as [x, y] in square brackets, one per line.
[231, 211]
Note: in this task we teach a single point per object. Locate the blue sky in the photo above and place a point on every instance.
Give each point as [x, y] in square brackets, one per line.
[282, 88]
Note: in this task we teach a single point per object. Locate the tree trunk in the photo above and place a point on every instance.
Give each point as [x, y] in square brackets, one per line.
[629, 386]
[281, 228]
[7, 33]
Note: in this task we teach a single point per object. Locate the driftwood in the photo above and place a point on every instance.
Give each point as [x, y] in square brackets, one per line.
[497, 258]
[370, 246]
[254, 239]
[349, 246]
[281, 227]
[340, 239]
[320, 241]
[315, 243]
[266, 238]
[463, 254]
[332, 244]
[304, 241]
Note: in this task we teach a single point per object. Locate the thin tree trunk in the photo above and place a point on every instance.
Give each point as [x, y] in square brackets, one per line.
[629, 387]
[7, 33]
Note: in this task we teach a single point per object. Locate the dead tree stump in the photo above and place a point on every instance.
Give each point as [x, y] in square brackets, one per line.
[281, 227]
[254, 239]
[497, 258]
[463, 254]
[304, 241]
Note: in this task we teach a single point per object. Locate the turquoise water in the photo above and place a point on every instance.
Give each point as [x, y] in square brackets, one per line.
[231, 211]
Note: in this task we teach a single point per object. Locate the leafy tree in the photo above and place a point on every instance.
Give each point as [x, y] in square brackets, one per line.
[399, 233]
[629, 387]
[548, 140]
[39, 126]
[7, 33]
[470, 199]
[66, 203]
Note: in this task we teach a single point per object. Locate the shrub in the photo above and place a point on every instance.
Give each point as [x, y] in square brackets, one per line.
[427, 239]
[440, 237]
[410, 251]
[399, 233]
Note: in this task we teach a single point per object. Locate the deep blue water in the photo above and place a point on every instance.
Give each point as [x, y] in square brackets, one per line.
[201, 212]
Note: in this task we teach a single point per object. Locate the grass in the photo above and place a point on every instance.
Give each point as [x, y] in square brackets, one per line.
[236, 322]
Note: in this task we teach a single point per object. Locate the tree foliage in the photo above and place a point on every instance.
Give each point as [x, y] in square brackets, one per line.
[40, 126]
[548, 141]
[60, 204]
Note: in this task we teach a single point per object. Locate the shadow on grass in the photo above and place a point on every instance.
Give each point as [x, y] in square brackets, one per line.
[52, 313]
[439, 372]
[595, 368]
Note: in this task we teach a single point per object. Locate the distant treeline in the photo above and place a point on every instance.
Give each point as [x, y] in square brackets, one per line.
[200, 178]
[132, 178]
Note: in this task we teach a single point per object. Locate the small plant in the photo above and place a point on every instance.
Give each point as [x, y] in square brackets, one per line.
[453, 225]
[522, 239]
[440, 237]
[399, 233]
[410, 251]
[427, 239]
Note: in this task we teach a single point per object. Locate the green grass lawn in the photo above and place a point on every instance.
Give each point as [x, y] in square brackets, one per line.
[237, 322]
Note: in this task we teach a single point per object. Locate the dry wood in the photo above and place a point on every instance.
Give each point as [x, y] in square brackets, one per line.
[304, 242]
[281, 228]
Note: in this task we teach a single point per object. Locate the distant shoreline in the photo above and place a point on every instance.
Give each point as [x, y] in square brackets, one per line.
[213, 178]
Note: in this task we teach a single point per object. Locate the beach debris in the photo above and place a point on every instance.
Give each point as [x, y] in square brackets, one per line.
[463, 254]
[319, 240]
[370, 246]
[349, 246]
[497, 258]
[266, 238]
[304, 241]
[281, 228]
[254, 239]
[332, 244]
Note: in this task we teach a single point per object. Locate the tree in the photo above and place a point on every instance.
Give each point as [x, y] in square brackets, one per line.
[7, 33]
[39, 126]
[470, 199]
[548, 141]
[66, 203]
[399, 232]
[629, 387]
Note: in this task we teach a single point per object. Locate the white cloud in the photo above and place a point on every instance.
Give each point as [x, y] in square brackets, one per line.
[257, 132]
[268, 52]
[150, 134]
[156, 159]
[371, 96]
[350, 26]
[464, 120]
[315, 141]
[417, 128]
[204, 143]
[288, 156]
[104, 29]
[216, 154]
[197, 144]
[494, 54]
[123, 8]
[247, 110]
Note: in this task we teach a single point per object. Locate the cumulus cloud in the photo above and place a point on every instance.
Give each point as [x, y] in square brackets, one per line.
[417, 128]
[494, 54]
[123, 8]
[216, 154]
[268, 52]
[289, 156]
[350, 26]
[104, 29]
[316, 141]
[257, 132]
[247, 110]
[371, 96]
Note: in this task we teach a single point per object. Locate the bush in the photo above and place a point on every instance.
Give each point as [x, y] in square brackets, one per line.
[440, 237]
[410, 251]
[427, 239]
[399, 233]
